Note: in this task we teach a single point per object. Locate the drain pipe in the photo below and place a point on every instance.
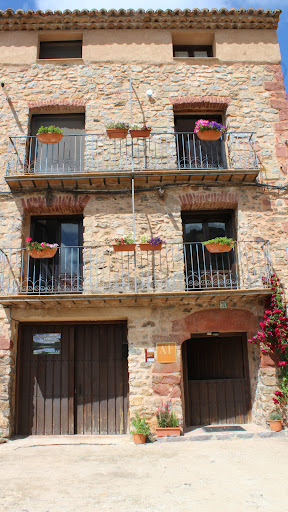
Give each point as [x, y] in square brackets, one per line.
[133, 186]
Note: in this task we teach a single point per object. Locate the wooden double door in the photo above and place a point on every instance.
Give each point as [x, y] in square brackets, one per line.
[72, 379]
[216, 380]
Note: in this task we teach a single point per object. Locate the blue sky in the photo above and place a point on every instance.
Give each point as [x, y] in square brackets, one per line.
[165, 4]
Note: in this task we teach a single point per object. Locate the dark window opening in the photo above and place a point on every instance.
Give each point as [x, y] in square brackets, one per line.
[193, 153]
[203, 269]
[60, 50]
[196, 51]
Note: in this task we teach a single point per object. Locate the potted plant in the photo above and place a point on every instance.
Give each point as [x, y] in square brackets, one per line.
[39, 250]
[139, 131]
[208, 130]
[141, 430]
[168, 423]
[151, 244]
[49, 134]
[126, 243]
[219, 244]
[275, 421]
[117, 130]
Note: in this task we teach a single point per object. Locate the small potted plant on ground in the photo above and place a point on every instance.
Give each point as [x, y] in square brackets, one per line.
[39, 250]
[208, 130]
[168, 423]
[153, 243]
[275, 421]
[141, 430]
[219, 244]
[139, 131]
[126, 243]
[49, 134]
[117, 130]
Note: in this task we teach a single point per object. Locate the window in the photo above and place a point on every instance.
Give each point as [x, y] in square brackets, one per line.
[60, 49]
[193, 153]
[202, 269]
[196, 51]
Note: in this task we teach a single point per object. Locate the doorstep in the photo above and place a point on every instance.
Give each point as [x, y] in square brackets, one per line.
[76, 439]
[252, 431]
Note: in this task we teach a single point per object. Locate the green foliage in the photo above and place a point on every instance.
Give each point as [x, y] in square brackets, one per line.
[222, 240]
[119, 125]
[137, 127]
[126, 239]
[275, 415]
[141, 426]
[165, 417]
[50, 129]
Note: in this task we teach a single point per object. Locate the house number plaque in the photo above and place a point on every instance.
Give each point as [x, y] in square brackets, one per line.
[166, 352]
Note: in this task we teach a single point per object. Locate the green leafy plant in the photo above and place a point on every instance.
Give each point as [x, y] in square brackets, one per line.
[275, 415]
[40, 246]
[222, 240]
[138, 128]
[126, 239]
[165, 417]
[140, 426]
[50, 129]
[119, 125]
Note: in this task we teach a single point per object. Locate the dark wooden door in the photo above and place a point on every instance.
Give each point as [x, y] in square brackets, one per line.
[217, 388]
[72, 379]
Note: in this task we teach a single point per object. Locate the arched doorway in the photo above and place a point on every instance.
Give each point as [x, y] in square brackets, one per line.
[216, 379]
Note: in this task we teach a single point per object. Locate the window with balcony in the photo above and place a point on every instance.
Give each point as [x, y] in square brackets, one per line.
[60, 49]
[202, 269]
[189, 50]
[193, 153]
[68, 155]
[62, 273]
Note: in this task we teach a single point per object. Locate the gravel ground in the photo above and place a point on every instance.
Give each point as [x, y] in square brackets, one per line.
[227, 476]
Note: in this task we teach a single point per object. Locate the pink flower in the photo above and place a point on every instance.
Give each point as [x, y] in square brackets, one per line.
[275, 400]
[279, 393]
[282, 363]
[28, 240]
[42, 244]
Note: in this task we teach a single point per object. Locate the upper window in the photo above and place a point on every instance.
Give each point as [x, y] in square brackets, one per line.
[60, 50]
[196, 51]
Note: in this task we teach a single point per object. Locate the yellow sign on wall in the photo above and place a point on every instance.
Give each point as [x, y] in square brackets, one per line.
[166, 352]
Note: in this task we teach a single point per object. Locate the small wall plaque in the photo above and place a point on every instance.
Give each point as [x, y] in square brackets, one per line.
[166, 352]
[149, 355]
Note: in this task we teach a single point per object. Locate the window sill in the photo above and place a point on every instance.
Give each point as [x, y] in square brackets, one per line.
[197, 59]
[59, 61]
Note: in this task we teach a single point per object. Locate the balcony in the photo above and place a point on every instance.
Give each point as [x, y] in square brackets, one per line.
[93, 159]
[97, 271]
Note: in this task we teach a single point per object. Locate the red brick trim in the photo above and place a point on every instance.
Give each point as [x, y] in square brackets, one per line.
[55, 204]
[208, 200]
[5, 344]
[55, 105]
[200, 103]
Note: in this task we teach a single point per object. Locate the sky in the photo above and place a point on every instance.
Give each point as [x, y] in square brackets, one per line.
[165, 4]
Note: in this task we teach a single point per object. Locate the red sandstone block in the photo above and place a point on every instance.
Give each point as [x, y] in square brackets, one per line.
[5, 344]
[274, 86]
[283, 114]
[176, 392]
[281, 150]
[166, 368]
[170, 379]
[281, 103]
[282, 126]
[161, 389]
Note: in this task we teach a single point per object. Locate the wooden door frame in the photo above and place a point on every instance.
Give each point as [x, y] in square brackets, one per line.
[71, 404]
[244, 341]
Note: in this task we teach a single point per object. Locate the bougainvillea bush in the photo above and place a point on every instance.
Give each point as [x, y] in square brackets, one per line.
[273, 338]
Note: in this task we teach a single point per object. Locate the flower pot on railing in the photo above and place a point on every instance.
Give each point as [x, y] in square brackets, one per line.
[124, 247]
[49, 138]
[209, 135]
[49, 252]
[117, 133]
[216, 248]
[208, 130]
[150, 247]
[140, 133]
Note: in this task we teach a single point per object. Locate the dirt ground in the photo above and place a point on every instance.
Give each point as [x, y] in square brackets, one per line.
[227, 476]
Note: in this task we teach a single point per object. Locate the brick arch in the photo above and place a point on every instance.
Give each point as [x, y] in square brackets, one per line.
[60, 204]
[215, 320]
[213, 200]
[56, 105]
[211, 103]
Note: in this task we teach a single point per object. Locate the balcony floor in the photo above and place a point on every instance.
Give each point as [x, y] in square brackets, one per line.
[92, 180]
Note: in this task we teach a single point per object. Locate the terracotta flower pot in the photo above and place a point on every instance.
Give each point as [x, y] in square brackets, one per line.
[169, 431]
[150, 247]
[209, 135]
[124, 247]
[117, 133]
[219, 248]
[140, 133]
[275, 425]
[47, 253]
[49, 138]
[139, 438]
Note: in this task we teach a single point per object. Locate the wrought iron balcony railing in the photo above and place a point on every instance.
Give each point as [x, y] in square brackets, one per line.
[98, 269]
[92, 153]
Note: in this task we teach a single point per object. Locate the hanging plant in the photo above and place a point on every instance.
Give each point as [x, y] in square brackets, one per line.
[273, 338]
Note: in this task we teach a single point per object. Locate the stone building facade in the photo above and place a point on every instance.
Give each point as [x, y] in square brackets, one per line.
[83, 193]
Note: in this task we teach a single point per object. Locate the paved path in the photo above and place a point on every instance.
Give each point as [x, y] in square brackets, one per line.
[115, 475]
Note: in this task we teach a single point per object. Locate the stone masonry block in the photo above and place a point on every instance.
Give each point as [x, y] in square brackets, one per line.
[166, 368]
[5, 343]
[161, 389]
